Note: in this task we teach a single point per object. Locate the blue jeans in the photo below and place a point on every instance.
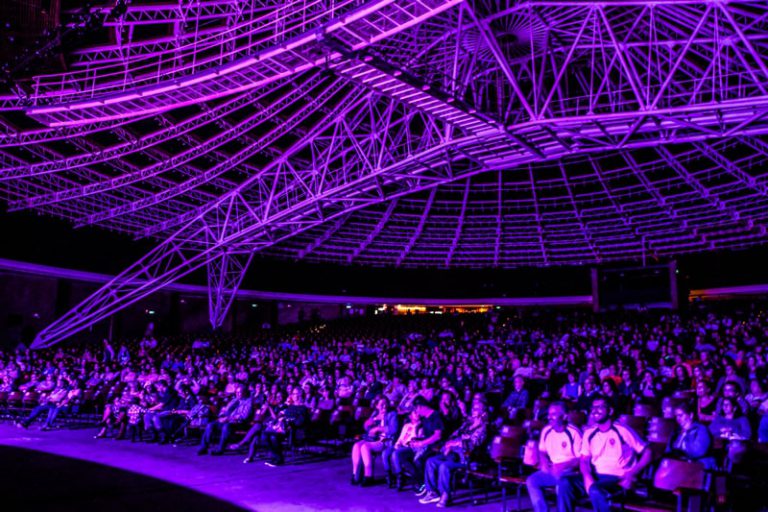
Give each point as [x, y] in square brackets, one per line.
[404, 461]
[386, 457]
[401, 458]
[762, 430]
[601, 491]
[567, 487]
[438, 473]
[213, 428]
[37, 411]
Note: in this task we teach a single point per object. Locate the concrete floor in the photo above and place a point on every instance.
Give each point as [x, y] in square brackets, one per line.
[68, 470]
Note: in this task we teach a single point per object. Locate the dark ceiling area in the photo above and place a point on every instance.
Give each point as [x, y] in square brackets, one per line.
[49, 241]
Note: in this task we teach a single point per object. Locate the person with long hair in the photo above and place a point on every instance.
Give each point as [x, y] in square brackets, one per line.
[381, 430]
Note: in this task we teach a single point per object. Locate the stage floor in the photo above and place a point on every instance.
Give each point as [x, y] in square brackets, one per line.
[67, 470]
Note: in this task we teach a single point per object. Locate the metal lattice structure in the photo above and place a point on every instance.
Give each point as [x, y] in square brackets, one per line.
[435, 133]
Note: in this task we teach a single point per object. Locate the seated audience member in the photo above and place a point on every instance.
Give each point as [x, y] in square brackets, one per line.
[732, 390]
[410, 431]
[236, 413]
[167, 402]
[706, 401]
[611, 393]
[731, 423]
[455, 454]
[416, 452]
[572, 389]
[693, 441]
[197, 417]
[756, 396]
[69, 403]
[559, 450]
[449, 411]
[588, 392]
[381, 430]
[171, 420]
[406, 403]
[371, 388]
[518, 398]
[49, 405]
[395, 390]
[612, 455]
[294, 415]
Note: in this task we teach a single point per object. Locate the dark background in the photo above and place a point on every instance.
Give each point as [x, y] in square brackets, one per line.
[49, 241]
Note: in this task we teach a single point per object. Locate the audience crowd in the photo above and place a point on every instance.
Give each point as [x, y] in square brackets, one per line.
[594, 402]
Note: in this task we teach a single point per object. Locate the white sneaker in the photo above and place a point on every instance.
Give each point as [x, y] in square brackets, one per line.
[430, 497]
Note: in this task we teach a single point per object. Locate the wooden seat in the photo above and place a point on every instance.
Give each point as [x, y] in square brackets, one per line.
[326, 405]
[577, 418]
[362, 413]
[512, 432]
[687, 395]
[519, 416]
[660, 430]
[676, 475]
[645, 410]
[31, 399]
[636, 423]
[15, 398]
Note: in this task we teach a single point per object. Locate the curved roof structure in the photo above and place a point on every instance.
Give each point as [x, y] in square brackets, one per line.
[412, 133]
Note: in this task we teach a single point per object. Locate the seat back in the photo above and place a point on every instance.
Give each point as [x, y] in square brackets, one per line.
[14, 398]
[512, 432]
[660, 430]
[363, 413]
[531, 453]
[31, 398]
[577, 418]
[674, 475]
[326, 405]
[687, 395]
[645, 410]
[505, 448]
[636, 423]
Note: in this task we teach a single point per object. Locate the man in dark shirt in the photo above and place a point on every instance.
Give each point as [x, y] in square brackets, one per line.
[518, 398]
[415, 455]
[172, 419]
[373, 388]
[168, 399]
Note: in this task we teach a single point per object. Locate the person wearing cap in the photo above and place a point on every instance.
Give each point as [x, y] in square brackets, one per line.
[417, 452]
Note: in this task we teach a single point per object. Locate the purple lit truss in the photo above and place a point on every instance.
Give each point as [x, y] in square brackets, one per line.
[412, 133]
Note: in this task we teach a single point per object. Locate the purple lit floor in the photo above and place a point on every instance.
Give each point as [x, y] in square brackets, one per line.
[68, 470]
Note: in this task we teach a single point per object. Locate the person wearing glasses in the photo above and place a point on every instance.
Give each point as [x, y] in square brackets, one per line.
[612, 455]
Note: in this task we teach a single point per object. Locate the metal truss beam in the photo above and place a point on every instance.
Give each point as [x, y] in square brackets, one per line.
[75, 97]
[225, 275]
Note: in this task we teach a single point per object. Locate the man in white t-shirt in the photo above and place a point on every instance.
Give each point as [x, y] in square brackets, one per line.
[559, 450]
[612, 455]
